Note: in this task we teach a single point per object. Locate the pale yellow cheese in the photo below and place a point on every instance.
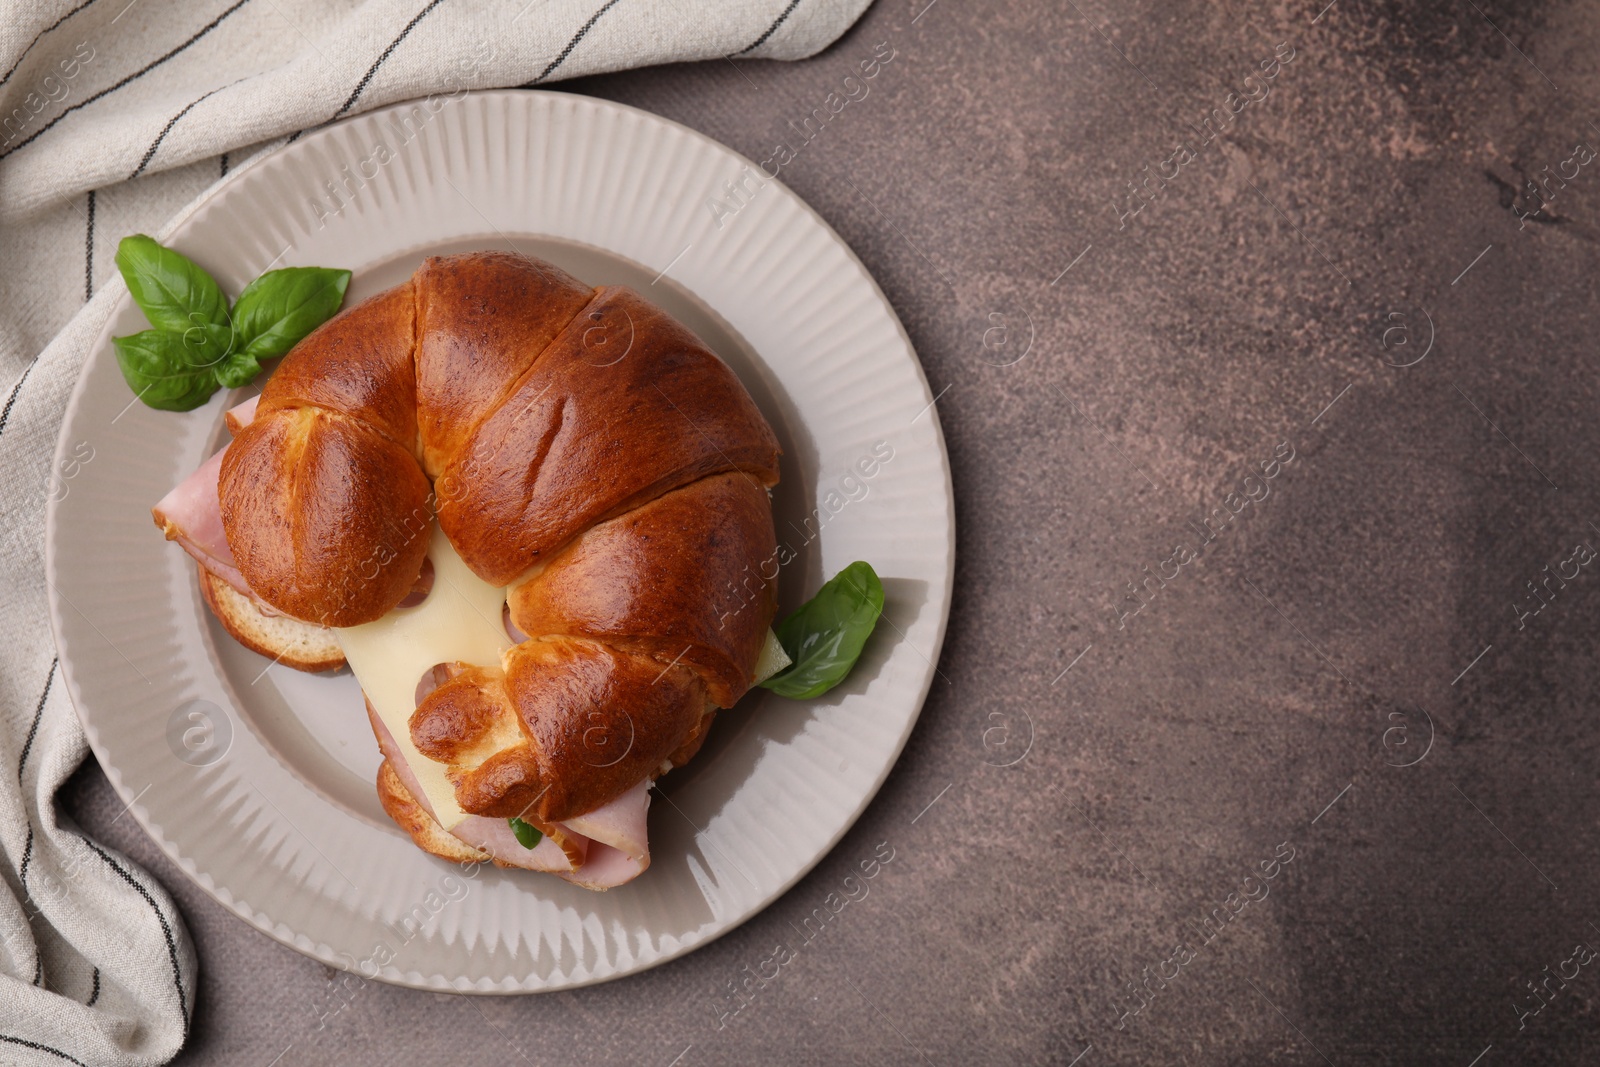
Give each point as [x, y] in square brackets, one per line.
[772, 659]
[459, 621]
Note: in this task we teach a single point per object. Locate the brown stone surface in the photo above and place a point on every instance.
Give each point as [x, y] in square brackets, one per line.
[1244, 709]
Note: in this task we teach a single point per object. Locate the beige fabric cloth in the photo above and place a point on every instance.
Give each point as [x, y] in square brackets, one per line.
[115, 115]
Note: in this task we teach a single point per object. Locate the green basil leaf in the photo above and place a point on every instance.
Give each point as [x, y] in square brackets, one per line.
[174, 292]
[279, 308]
[195, 331]
[238, 369]
[208, 345]
[826, 635]
[164, 370]
[527, 836]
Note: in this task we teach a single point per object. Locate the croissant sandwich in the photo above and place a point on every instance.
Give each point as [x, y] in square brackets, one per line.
[533, 518]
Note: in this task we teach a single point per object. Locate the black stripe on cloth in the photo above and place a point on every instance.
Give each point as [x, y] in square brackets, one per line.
[173, 121]
[141, 72]
[38, 713]
[95, 995]
[567, 51]
[5, 414]
[772, 29]
[22, 876]
[88, 264]
[40, 34]
[366, 78]
[166, 928]
[224, 165]
[43, 1048]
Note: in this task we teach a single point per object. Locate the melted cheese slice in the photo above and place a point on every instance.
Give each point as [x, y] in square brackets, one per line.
[460, 620]
[772, 659]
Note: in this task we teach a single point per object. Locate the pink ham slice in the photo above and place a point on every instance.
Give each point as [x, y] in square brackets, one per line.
[192, 514]
[619, 846]
[606, 868]
[494, 836]
[240, 415]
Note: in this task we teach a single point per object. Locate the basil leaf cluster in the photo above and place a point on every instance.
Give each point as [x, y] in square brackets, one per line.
[825, 636]
[197, 343]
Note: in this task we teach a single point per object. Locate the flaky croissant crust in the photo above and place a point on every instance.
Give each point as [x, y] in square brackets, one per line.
[577, 444]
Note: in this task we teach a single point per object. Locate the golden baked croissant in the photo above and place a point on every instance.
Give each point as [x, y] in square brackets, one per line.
[578, 447]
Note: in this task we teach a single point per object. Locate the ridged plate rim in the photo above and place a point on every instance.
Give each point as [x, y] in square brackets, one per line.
[781, 220]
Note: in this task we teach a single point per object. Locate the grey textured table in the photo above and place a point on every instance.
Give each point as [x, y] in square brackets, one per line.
[1252, 741]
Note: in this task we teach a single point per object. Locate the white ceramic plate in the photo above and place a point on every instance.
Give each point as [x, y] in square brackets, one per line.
[257, 780]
